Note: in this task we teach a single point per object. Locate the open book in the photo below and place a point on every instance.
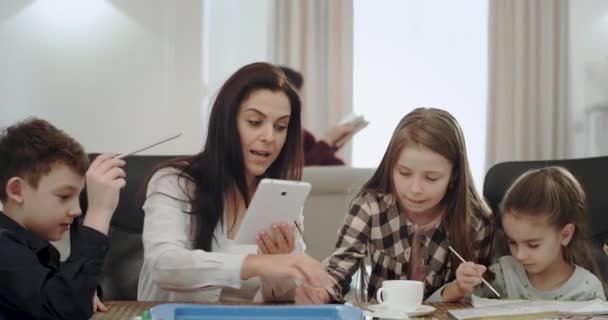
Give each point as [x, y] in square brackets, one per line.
[358, 123]
[528, 309]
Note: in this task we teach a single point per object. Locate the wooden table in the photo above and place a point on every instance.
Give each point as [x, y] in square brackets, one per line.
[126, 310]
[442, 309]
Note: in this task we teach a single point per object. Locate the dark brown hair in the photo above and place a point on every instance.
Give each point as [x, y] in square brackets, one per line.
[555, 192]
[295, 78]
[29, 148]
[220, 166]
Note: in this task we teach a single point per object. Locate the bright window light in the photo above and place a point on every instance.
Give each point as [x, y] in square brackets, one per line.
[412, 53]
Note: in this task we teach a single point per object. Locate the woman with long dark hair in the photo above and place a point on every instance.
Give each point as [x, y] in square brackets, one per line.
[194, 205]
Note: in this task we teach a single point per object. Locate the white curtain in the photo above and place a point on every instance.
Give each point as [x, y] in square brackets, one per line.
[528, 108]
[315, 37]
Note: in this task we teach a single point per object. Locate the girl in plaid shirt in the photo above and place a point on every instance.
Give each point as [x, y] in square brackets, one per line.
[420, 200]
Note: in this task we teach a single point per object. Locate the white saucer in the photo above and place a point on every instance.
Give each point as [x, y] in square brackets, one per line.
[382, 310]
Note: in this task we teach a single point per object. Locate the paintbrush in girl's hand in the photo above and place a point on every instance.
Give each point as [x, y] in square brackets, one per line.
[482, 279]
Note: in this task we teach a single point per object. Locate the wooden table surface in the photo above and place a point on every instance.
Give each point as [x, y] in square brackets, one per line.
[126, 310]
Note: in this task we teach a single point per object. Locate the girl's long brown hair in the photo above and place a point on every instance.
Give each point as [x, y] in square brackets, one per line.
[438, 131]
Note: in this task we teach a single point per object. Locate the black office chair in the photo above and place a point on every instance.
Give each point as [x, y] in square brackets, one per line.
[592, 173]
[125, 257]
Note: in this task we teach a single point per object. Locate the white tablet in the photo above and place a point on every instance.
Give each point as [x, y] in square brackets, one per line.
[274, 201]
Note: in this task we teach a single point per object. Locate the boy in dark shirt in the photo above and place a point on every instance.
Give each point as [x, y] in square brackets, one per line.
[42, 172]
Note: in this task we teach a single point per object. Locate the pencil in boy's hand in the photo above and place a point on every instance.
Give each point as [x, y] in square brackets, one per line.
[482, 279]
[163, 140]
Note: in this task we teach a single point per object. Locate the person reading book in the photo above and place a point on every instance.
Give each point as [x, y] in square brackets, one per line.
[322, 152]
[194, 205]
[42, 172]
[419, 201]
[543, 219]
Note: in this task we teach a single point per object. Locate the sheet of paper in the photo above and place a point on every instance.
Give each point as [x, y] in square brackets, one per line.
[479, 302]
[352, 119]
[485, 309]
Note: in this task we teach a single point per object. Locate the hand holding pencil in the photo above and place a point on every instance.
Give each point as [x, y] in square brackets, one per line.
[469, 275]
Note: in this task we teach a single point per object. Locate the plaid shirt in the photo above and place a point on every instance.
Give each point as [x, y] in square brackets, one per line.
[375, 226]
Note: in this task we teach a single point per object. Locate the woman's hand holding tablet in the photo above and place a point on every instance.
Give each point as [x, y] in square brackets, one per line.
[274, 202]
[280, 240]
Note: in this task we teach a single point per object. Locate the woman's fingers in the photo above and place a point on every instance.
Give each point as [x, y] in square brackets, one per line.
[302, 295]
[313, 294]
[280, 240]
[289, 235]
[268, 243]
[261, 246]
[314, 274]
[282, 266]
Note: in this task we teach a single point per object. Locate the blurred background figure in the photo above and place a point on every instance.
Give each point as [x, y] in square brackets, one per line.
[320, 152]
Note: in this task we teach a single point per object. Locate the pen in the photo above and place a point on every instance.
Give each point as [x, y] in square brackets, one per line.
[482, 279]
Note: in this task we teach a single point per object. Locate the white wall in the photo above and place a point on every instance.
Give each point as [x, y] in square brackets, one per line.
[236, 33]
[588, 54]
[119, 74]
[114, 74]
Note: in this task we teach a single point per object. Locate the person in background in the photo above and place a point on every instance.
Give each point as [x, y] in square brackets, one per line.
[420, 200]
[42, 172]
[194, 205]
[543, 219]
[320, 152]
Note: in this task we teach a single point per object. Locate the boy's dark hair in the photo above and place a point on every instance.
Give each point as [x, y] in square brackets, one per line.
[293, 76]
[29, 148]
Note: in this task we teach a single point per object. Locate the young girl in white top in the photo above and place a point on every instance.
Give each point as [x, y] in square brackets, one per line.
[543, 218]
[194, 205]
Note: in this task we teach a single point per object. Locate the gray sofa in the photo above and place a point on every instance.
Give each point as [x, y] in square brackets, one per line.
[333, 188]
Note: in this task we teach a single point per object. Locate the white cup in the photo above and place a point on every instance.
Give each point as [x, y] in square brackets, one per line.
[404, 295]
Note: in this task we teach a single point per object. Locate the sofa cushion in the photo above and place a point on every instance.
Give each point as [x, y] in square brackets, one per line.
[333, 189]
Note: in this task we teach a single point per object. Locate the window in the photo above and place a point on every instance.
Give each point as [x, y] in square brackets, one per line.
[411, 53]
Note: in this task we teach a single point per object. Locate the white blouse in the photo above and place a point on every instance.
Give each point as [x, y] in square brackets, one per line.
[174, 271]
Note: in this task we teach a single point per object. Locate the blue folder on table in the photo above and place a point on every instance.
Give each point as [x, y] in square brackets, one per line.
[181, 311]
